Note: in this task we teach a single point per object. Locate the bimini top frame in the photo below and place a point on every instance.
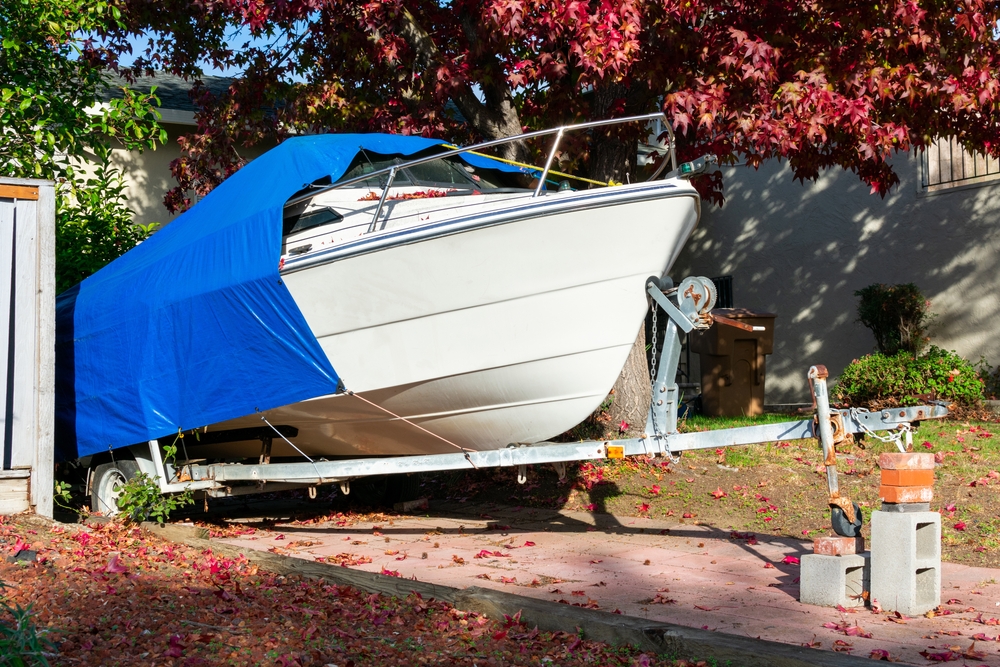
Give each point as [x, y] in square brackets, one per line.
[390, 172]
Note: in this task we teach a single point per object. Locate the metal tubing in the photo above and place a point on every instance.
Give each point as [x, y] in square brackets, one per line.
[488, 144]
[745, 435]
[548, 163]
[381, 200]
[817, 377]
[672, 311]
[336, 470]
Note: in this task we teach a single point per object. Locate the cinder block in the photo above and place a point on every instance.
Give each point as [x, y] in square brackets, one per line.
[827, 581]
[897, 461]
[906, 494]
[906, 561]
[838, 546]
[906, 507]
[892, 477]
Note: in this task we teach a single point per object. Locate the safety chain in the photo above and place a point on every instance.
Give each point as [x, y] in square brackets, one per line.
[896, 436]
[652, 395]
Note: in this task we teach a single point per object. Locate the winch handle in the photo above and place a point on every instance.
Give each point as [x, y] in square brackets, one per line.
[739, 325]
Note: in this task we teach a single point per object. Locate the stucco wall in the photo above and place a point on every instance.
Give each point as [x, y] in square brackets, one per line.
[148, 177]
[802, 250]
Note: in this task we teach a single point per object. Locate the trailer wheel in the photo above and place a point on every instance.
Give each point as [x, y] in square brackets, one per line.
[841, 525]
[107, 484]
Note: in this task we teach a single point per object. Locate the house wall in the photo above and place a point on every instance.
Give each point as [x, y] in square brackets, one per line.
[801, 251]
[147, 174]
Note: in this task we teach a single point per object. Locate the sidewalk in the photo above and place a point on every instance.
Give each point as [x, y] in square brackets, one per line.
[692, 575]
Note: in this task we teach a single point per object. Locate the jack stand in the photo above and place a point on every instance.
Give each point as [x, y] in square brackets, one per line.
[845, 516]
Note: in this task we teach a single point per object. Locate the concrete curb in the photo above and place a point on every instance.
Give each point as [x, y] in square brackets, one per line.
[674, 641]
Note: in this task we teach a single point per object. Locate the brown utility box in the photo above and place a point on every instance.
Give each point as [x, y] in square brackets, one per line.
[732, 363]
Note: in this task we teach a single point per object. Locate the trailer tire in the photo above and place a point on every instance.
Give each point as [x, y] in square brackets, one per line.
[841, 525]
[106, 485]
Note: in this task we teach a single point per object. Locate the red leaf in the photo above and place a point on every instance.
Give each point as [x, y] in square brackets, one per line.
[718, 493]
[176, 649]
[115, 566]
[643, 507]
[880, 654]
[947, 656]
[768, 566]
[790, 560]
[960, 525]
[529, 543]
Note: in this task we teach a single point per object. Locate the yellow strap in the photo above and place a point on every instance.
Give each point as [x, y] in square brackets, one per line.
[529, 166]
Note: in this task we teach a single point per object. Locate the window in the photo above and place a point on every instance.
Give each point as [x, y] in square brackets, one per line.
[945, 164]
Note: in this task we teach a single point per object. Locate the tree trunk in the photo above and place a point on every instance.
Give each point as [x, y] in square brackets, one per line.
[614, 158]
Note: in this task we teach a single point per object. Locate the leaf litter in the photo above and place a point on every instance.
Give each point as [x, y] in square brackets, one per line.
[114, 595]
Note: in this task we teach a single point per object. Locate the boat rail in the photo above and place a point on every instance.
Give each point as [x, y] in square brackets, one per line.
[391, 172]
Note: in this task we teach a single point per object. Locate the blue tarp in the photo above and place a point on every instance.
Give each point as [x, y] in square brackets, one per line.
[194, 325]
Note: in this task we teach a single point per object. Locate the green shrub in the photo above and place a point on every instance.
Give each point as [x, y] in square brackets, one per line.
[142, 500]
[897, 315]
[877, 380]
[22, 643]
[990, 377]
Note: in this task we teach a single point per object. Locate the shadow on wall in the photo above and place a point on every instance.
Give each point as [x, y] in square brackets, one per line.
[801, 251]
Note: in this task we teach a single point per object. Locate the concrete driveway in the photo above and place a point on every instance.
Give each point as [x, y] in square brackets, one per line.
[692, 575]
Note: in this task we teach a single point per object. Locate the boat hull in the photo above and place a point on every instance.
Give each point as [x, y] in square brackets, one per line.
[504, 327]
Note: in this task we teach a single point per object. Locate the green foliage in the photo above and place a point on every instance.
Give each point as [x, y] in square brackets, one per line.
[50, 107]
[93, 225]
[54, 121]
[897, 315]
[876, 380]
[22, 644]
[61, 495]
[142, 500]
[990, 377]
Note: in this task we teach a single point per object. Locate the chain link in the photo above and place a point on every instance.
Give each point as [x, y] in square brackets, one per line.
[654, 355]
[894, 436]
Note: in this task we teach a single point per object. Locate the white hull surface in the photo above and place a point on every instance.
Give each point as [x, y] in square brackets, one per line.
[506, 321]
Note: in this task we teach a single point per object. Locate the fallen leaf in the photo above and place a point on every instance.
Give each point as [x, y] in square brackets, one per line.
[946, 656]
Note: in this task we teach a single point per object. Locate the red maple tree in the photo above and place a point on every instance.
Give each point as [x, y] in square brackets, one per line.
[819, 83]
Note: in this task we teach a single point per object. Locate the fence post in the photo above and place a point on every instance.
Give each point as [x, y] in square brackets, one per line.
[27, 345]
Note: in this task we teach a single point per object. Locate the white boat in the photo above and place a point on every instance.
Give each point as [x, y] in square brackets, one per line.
[462, 314]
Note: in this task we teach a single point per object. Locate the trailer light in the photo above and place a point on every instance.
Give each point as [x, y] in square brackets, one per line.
[615, 452]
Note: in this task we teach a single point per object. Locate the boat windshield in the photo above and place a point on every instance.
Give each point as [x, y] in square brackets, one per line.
[450, 173]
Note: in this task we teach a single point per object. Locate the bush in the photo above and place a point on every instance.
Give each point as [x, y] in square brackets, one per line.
[142, 500]
[877, 380]
[897, 315]
[22, 643]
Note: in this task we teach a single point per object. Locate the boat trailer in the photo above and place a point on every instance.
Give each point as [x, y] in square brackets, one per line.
[687, 307]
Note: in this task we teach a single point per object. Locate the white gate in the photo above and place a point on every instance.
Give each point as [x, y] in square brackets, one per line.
[27, 344]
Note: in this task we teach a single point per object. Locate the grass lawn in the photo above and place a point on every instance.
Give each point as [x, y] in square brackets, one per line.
[777, 488]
